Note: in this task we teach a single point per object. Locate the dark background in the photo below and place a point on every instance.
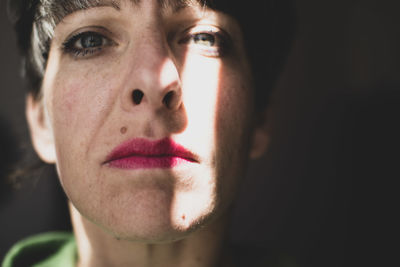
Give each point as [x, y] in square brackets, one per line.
[324, 194]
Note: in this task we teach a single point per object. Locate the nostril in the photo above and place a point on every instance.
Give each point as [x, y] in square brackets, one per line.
[168, 99]
[137, 96]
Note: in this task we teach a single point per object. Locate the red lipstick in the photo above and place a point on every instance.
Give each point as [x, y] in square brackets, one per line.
[141, 153]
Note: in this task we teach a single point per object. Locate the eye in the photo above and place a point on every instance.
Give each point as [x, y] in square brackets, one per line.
[204, 39]
[86, 44]
[211, 43]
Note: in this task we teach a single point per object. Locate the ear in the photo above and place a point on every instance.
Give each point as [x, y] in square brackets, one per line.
[260, 137]
[40, 130]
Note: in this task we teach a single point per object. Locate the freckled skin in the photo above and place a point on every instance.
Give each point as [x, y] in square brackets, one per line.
[213, 104]
[210, 113]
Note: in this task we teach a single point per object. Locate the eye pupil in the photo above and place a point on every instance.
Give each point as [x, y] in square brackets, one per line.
[204, 39]
[90, 41]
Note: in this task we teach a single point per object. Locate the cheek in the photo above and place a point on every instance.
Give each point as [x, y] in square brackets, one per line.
[201, 82]
[235, 107]
[233, 129]
[233, 123]
[78, 100]
[217, 97]
[218, 100]
[219, 106]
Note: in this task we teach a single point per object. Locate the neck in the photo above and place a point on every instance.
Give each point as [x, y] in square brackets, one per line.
[203, 248]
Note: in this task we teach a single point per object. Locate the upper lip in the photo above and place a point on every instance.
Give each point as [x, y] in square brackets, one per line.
[149, 148]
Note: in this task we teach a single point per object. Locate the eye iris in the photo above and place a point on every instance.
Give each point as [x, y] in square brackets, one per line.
[204, 39]
[90, 41]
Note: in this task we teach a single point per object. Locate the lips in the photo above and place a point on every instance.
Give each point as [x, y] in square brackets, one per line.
[141, 153]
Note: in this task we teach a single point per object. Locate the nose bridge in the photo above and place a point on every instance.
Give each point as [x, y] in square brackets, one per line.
[152, 49]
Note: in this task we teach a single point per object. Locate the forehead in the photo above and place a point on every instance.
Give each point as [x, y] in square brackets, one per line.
[79, 4]
[55, 10]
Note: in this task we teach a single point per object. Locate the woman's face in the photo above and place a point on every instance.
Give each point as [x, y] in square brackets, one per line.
[147, 112]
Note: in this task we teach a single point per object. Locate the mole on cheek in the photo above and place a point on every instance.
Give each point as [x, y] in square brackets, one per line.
[123, 130]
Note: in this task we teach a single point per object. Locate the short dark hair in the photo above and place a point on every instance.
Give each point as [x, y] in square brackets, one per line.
[268, 28]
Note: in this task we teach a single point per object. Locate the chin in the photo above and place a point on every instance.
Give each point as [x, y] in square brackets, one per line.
[157, 234]
[152, 215]
[156, 229]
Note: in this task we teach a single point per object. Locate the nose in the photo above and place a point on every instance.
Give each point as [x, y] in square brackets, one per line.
[153, 78]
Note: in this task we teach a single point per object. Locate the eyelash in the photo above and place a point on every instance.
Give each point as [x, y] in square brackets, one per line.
[220, 42]
[70, 46]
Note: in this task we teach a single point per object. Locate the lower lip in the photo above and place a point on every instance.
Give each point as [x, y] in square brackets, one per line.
[148, 162]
